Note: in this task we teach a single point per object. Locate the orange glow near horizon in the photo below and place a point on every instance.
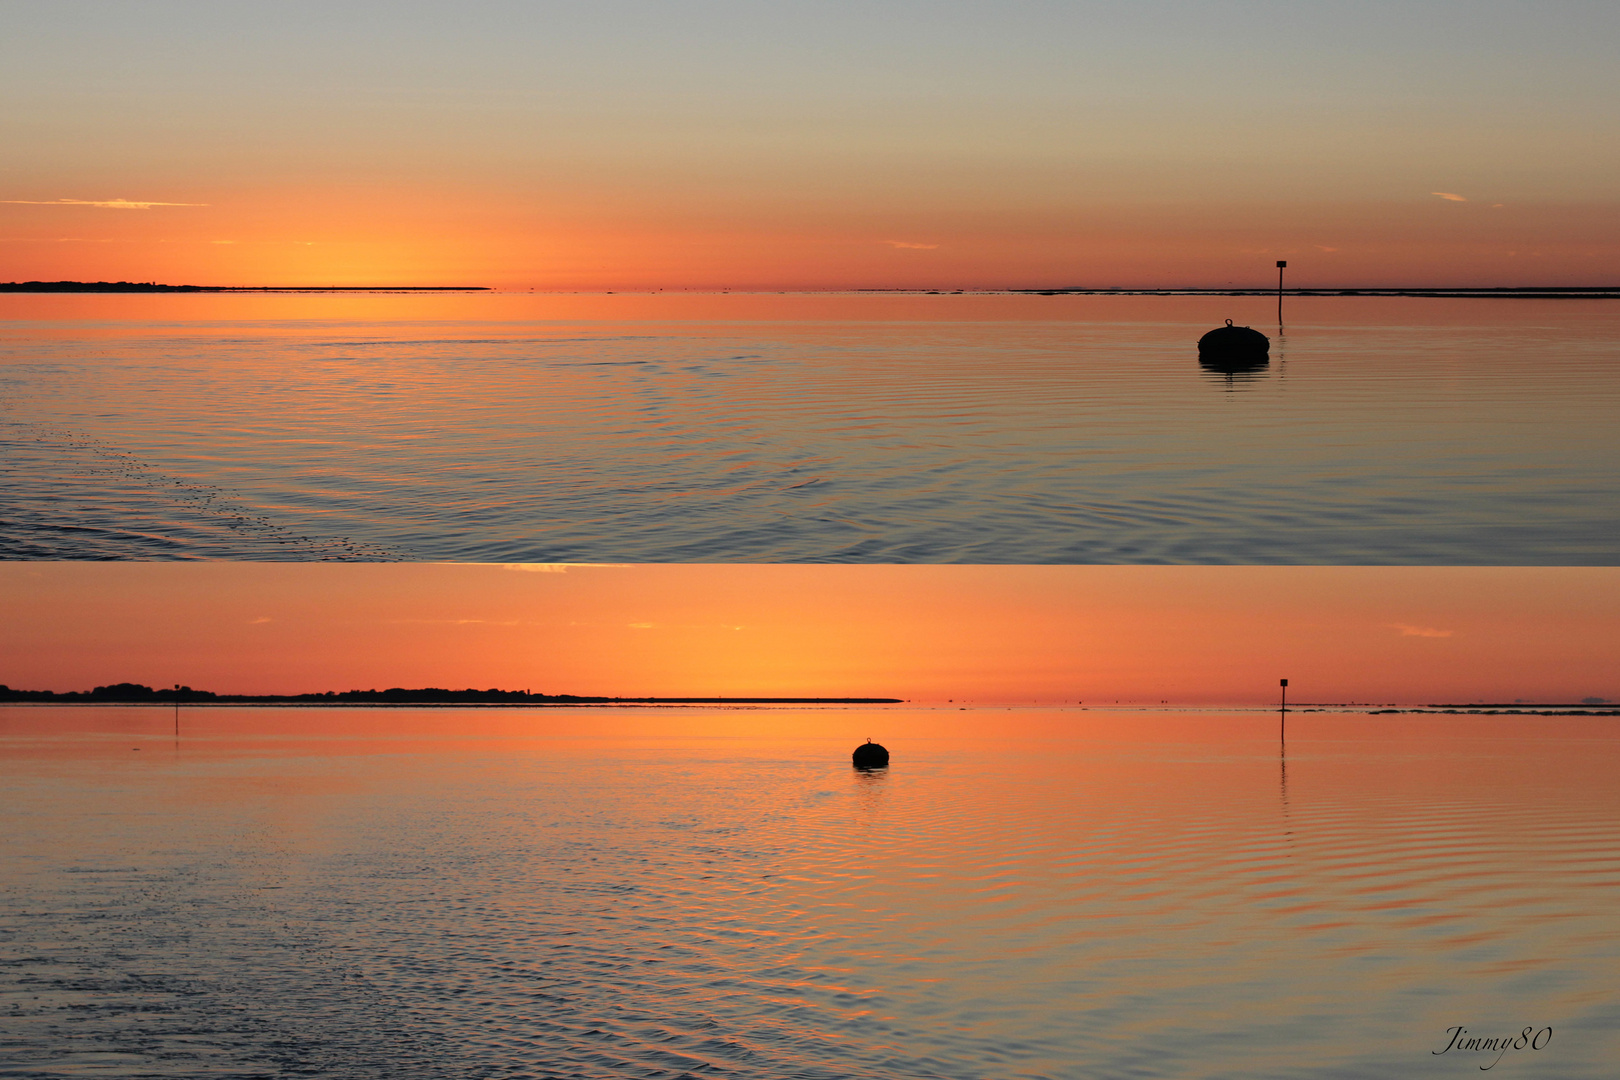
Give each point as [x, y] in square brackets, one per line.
[639, 146]
[387, 236]
[1037, 634]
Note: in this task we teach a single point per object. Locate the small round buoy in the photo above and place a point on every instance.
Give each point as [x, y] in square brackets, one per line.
[1235, 345]
[869, 755]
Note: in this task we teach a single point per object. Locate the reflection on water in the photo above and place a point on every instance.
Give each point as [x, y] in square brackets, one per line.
[963, 429]
[1234, 373]
[665, 892]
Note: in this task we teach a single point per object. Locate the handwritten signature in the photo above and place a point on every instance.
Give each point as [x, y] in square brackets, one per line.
[1500, 1045]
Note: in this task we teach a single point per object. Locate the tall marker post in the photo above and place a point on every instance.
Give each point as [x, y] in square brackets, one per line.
[1282, 712]
[1281, 265]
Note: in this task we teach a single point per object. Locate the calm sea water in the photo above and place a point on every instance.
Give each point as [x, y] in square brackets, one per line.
[782, 428]
[703, 892]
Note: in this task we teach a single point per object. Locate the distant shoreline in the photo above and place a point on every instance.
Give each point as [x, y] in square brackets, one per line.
[1529, 292]
[1516, 292]
[43, 699]
[135, 694]
[152, 287]
[549, 703]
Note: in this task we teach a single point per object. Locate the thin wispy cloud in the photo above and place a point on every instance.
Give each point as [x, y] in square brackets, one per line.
[557, 567]
[103, 204]
[650, 626]
[166, 240]
[910, 246]
[458, 622]
[677, 626]
[1421, 631]
[1449, 196]
[125, 240]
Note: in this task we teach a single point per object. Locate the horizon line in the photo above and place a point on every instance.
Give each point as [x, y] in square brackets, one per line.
[1441, 291]
[1426, 292]
[127, 694]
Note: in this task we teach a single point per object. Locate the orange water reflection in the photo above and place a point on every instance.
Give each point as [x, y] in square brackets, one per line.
[1304, 314]
[793, 428]
[1046, 892]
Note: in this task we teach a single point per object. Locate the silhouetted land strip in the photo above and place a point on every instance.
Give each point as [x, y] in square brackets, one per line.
[1594, 707]
[1528, 292]
[152, 287]
[1516, 708]
[1494, 712]
[137, 694]
[1517, 292]
[1590, 703]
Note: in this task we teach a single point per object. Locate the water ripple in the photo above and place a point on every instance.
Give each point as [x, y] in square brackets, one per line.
[929, 441]
[1083, 895]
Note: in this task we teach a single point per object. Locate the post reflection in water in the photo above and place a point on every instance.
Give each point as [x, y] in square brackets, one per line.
[1282, 783]
[606, 893]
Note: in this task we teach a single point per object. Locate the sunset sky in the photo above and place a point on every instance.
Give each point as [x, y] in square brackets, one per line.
[983, 633]
[887, 143]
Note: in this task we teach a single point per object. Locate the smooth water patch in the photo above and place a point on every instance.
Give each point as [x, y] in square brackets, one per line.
[686, 892]
[1081, 430]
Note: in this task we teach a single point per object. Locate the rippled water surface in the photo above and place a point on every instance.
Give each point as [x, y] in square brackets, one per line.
[786, 428]
[701, 892]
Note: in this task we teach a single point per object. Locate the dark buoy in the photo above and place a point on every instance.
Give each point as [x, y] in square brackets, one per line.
[1237, 347]
[869, 755]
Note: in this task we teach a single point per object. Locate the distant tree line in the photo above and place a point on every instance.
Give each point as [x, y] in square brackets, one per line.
[98, 286]
[138, 694]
